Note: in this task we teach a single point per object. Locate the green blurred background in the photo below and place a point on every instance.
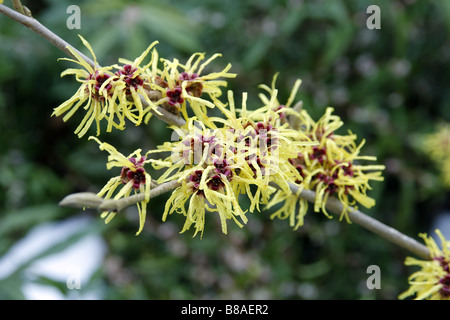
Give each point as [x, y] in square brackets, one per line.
[388, 85]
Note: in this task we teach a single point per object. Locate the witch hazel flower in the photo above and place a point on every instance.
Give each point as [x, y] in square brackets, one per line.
[204, 191]
[330, 167]
[114, 96]
[133, 178]
[436, 145]
[207, 175]
[95, 95]
[338, 172]
[333, 167]
[193, 79]
[432, 281]
[264, 145]
[175, 96]
[283, 109]
[135, 82]
[186, 84]
[211, 191]
[118, 96]
[134, 173]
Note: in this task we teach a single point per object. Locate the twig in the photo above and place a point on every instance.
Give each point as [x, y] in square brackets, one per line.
[91, 200]
[61, 44]
[37, 27]
[360, 218]
[164, 115]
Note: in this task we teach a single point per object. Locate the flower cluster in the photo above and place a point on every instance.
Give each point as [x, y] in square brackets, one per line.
[215, 165]
[132, 177]
[333, 166]
[264, 153]
[329, 166]
[437, 146]
[209, 182]
[134, 92]
[181, 83]
[432, 281]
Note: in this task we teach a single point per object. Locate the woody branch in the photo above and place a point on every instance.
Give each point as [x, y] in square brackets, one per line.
[92, 201]
[34, 25]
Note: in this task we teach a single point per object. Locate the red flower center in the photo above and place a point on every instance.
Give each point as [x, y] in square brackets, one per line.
[99, 81]
[318, 154]
[186, 76]
[195, 179]
[329, 181]
[215, 183]
[174, 96]
[445, 290]
[223, 168]
[137, 175]
[130, 78]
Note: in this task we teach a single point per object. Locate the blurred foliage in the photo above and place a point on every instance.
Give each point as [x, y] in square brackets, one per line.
[388, 85]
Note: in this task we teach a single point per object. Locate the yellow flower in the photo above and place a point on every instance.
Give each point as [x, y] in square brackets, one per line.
[437, 147]
[108, 95]
[133, 80]
[210, 177]
[437, 143]
[329, 165]
[446, 172]
[216, 164]
[96, 92]
[432, 281]
[283, 109]
[333, 166]
[292, 207]
[117, 96]
[132, 177]
[268, 145]
[208, 190]
[182, 83]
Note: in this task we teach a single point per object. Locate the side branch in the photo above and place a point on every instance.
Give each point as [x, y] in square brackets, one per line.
[35, 26]
[360, 218]
[91, 200]
[61, 44]
[163, 114]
